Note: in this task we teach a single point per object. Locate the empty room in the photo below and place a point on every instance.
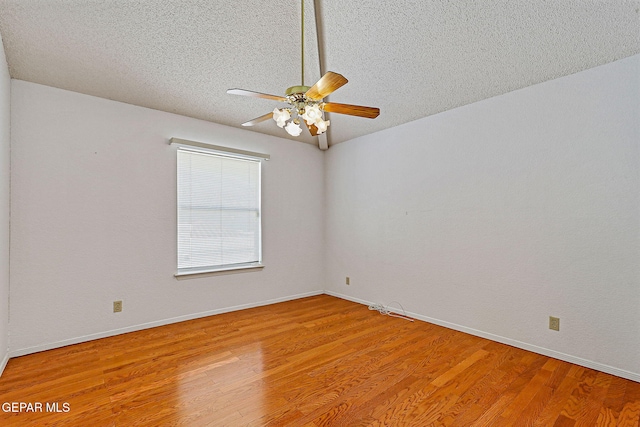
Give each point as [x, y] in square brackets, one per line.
[319, 213]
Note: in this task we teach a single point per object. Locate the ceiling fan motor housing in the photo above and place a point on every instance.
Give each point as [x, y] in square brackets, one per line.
[296, 97]
[294, 90]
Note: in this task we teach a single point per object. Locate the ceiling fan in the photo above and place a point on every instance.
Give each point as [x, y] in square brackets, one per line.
[306, 103]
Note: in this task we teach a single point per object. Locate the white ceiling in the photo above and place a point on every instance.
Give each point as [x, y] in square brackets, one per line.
[410, 58]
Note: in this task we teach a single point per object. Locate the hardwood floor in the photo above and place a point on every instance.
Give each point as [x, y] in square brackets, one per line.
[318, 361]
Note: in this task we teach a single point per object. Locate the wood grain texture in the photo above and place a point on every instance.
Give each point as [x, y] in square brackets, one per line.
[352, 110]
[326, 85]
[318, 361]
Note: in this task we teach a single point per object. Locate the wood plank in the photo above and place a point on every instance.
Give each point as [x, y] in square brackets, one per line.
[630, 415]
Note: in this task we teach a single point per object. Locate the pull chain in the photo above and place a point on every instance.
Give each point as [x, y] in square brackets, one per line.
[302, 43]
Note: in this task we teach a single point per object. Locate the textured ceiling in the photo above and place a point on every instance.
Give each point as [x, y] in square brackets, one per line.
[410, 58]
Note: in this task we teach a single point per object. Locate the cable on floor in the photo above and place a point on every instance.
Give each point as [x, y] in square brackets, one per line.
[385, 310]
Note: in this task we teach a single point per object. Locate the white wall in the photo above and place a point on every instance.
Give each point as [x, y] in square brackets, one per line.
[94, 207]
[5, 95]
[487, 218]
[491, 217]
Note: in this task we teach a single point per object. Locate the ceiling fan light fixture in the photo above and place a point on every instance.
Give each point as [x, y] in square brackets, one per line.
[312, 114]
[322, 125]
[293, 128]
[281, 116]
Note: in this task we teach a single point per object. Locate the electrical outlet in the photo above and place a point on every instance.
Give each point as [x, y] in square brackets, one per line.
[117, 306]
[554, 323]
[347, 281]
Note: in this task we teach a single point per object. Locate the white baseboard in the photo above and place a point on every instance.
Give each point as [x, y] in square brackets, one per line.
[514, 343]
[105, 334]
[3, 364]
[525, 346]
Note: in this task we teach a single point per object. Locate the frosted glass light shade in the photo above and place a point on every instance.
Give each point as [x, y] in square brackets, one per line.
[322, 125]
[281, 116]
[293, 129]
[312, 114]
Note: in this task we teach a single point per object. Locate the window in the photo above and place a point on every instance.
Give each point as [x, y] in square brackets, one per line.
[219, 224]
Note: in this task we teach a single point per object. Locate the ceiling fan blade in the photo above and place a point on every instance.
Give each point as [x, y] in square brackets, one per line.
[258, 120]
[352, 110]
[256, 94]
[313, 130]
[327, 84]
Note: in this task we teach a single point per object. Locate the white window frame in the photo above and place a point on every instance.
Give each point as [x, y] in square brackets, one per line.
[204, 148]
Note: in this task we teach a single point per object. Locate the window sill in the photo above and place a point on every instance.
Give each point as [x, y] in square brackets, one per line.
[217, 271]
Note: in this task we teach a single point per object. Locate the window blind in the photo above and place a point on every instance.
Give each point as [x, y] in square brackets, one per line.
[218, 211]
